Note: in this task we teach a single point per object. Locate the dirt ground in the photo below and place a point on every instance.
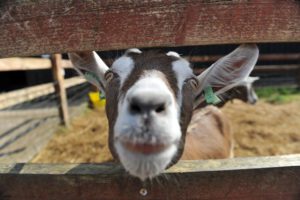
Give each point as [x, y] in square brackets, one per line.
[260, 130]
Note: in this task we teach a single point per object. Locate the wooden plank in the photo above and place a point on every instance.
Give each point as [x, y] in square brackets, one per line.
[29, 28]
[264, 69]
[58, 81]
[262, 57]
[259, 178]
[277, 68]
[19, 63]
[30, 93]
[33, 113]
[14, 64]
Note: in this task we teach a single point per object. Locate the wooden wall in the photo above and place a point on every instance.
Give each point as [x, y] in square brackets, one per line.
[35, 27]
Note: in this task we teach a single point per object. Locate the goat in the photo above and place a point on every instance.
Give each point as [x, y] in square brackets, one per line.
[150, 98]
[208, 135]
[242, 90]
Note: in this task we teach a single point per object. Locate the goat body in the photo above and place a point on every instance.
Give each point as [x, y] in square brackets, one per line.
[208, 136]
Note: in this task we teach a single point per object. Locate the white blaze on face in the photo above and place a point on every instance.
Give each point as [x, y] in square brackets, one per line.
[183, 72]
[163, 129]
[123, 66]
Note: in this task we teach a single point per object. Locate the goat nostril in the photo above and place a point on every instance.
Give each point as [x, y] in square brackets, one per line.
[146, 106]
[160, 108]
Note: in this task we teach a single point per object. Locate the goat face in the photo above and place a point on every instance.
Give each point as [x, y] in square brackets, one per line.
[152, 112]
[150, 98]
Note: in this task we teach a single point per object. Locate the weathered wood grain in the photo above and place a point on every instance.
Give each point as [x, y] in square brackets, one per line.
[262, 57]
[240, 178]
[29, 93]
[33, 113]
[14, 64]
[58, 81]
[287, 69]
[34, 27]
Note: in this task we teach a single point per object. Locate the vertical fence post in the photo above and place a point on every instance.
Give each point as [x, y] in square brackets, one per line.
[58, 78]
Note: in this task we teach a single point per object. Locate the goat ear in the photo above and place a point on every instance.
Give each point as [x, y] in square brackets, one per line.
[226, 73]
[91, 67]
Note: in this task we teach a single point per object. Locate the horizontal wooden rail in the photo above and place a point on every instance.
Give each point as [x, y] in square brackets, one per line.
[261, 178]
[276, 68]
[262, 57]
[30, 28]
[33, 113]
[19, 63]
[14, 64]
[264, 69]
[27, 94]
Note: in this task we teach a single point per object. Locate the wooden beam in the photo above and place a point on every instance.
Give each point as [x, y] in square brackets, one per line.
[58, 81]
[19, 63]
[14, 64]
[277, 68]
[240, 178]
[263, 69]
[262, 57]
[33, 113]
[30, 93]
[29, 28]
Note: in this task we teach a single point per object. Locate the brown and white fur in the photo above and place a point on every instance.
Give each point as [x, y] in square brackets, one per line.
[242, 90]
[208, 136]
[150, 100]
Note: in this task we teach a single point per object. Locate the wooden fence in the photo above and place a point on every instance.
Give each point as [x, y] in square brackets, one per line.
[261, 178]
[35, 27]
[30, 28]
[26, 94]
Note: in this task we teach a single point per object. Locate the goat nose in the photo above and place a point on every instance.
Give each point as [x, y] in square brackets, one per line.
[142, 105]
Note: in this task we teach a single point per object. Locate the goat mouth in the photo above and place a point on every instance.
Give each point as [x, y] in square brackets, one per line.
[145, 148]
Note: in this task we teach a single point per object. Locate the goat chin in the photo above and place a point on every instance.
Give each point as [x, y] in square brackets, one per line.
[144, 165]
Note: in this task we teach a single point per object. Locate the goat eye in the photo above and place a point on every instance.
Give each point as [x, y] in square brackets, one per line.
[109, 76]
[194, 83]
